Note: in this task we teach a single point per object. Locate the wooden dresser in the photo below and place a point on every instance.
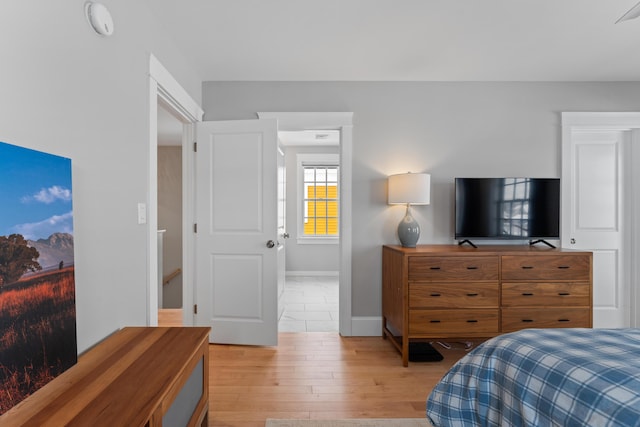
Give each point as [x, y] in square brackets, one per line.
[459, 292]
[147, 377]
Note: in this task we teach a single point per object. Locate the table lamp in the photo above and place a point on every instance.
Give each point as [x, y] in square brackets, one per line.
[410, 189]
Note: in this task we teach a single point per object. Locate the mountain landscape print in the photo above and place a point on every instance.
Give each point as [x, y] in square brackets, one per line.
[37, 282]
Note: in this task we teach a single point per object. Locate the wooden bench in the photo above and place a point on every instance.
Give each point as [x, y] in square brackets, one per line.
[136, 377]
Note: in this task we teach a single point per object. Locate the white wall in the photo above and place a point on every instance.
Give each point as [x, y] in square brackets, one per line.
[446, 129]
[69, 92]
[305, 257]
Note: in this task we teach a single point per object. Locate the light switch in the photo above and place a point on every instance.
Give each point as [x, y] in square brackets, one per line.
[142, 213]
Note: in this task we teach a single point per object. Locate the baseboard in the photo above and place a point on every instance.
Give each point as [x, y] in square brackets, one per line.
[366, 326]
[300, 273]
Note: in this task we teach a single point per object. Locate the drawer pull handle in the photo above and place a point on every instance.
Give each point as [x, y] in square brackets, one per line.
[434, 321]
[435, 268]
[472, 268]
[472, 295]
[563, 293]
[564, 267]
[435, 295]
[472, 321]
[527, 267]
[563, 320]
[527, 294]
[527, 320]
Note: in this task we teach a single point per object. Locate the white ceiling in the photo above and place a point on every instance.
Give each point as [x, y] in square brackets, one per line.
[405, 40]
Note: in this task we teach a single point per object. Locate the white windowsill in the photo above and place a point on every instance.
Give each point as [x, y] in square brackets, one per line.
[318, 240]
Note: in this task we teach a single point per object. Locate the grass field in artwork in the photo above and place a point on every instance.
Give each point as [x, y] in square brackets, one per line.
[38, 327]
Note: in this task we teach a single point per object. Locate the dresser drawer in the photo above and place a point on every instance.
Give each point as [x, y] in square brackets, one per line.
[453, 295]
[453, 268]
[451, 323]
[514, 319]
[546, 267]
[546, 294]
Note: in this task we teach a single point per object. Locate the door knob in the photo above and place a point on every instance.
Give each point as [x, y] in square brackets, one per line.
[271, 244]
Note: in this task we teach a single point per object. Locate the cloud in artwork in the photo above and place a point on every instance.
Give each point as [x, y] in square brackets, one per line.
[49, 195]
[43, 229]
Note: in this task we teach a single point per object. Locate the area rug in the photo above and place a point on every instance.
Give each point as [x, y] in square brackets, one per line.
[361, 422]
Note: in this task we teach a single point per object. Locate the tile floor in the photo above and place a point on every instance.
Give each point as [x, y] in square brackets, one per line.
[310, 304]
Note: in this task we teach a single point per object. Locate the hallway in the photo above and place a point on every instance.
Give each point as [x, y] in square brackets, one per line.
[310, 304]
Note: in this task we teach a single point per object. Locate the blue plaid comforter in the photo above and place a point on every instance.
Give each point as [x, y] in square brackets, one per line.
[544, 377]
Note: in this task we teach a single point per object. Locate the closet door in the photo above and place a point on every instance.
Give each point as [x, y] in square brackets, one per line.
[593, 215]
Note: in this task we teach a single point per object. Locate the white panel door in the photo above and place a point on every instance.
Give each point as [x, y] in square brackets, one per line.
[592, 216]
[236, 240]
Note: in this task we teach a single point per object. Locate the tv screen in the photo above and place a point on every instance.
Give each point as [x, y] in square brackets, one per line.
[507, 208]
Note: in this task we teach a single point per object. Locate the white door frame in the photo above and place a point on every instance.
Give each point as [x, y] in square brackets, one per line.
[165, 88]
[629, 121]
[342, 121]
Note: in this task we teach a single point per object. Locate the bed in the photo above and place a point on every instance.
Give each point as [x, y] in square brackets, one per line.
[544, 377]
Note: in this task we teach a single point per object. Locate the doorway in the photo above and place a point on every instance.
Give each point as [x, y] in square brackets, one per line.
[163, 86]
[170, 130]
[310, 301]
[343, 123]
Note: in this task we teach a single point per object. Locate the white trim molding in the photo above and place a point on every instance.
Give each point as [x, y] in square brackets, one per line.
[608, 120]
[309, 120]
[171, 92]
[367, 326]
[164, 88]
[346, 228]
[304, 273]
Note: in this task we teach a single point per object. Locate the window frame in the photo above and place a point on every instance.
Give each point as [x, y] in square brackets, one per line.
[313, 159]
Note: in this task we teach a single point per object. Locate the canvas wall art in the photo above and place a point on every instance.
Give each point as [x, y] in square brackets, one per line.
[37, 283]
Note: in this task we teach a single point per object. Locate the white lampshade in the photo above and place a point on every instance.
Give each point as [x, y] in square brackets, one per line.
[411, 188]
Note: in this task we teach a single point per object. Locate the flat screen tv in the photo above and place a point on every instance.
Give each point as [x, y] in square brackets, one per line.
[507, 208]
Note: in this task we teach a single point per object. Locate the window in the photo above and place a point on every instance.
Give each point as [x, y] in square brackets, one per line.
[319, 197]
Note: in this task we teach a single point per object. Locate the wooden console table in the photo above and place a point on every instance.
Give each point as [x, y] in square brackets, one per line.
[136, 377]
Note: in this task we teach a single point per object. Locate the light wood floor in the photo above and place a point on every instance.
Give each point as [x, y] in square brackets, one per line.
[318, 375]
[170, 317]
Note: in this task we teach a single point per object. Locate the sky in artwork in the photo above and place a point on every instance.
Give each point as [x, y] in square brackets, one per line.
[35, 193]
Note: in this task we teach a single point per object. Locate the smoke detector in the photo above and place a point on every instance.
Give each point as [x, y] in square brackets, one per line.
[99, 18]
